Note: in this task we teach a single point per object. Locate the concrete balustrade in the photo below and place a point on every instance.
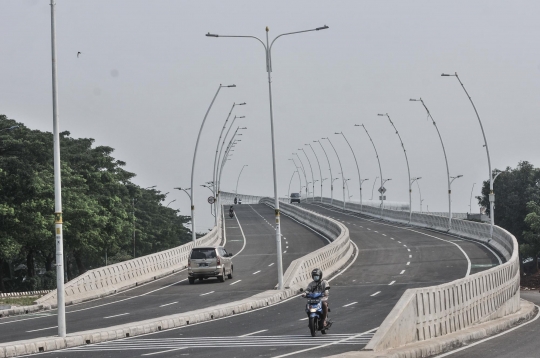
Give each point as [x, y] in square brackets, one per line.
[110, 279]
[430, 312]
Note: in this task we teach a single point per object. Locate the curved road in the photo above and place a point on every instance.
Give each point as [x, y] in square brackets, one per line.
[390, 259]
[250, 234]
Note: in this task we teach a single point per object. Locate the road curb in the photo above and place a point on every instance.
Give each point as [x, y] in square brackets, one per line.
[449, 342]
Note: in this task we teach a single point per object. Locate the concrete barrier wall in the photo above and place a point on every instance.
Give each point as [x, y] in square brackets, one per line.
[435, 311]
[22, 294]
[329, 258]
[110, 279]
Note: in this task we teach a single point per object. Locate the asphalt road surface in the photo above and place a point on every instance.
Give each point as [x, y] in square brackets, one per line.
[251, 237]
[390, 258]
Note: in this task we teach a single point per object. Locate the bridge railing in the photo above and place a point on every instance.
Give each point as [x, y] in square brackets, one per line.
[110, 279]
[329, 258]
[424, 313]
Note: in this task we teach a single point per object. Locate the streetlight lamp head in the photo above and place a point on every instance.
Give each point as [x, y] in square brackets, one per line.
[241, 117]
[211, 35]
[322, 28]
[413, 100]
[337, 133]
[380, 114]
[446, 75]
[357, 125]
[241, 104]
[231, 86]
[243, 128]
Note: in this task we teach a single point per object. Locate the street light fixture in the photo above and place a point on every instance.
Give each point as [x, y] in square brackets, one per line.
[445, 160]
[193, 234]
[470, 199]
[419, 192]
[9, 128]
[357, 168]
[268, 52]
[373, 189]
[331, 176]
[237, 180]
[491, 176]
[299, 176]
[380, 169]
[406, 160]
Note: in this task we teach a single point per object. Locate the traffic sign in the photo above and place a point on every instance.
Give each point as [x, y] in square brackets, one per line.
[211, 200]
[382, 190]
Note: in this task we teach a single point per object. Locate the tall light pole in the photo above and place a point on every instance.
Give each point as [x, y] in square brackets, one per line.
[342, 173]
[312, 177]
[319, 165]
[331, 177]
[373, 189]
[217, 148]
[268, 52]
[412, 182]
[470, 199]
[445, 160]
[299, 176]
[305, 177]
[193, 233]
[292, 176]
[237, 180]
[360, 181]
[380, 169]
[57, 188]
[491, 178]
[213, 213]
[406, 160]
[451, 181]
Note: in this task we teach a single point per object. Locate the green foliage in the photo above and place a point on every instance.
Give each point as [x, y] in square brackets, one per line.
[98, 199]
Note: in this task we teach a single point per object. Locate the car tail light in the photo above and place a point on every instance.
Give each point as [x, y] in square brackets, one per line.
[218, 261]
[189, 262]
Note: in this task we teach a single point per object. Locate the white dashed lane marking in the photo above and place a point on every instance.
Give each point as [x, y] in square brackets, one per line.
[235, 282]
[375, 294]
[207, 293]
[350, 304]
[402, 271]
[391, 283]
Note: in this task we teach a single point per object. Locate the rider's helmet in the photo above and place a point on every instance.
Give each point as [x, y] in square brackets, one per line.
[316, 275]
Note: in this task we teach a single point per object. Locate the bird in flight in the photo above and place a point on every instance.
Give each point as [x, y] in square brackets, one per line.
[78, 53]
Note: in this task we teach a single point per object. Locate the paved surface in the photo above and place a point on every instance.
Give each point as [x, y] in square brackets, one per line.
[391, 258]
[254, 271]
[520, 342]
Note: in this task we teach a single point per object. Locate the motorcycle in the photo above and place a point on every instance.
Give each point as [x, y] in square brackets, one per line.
[315, 313]
[231, 214]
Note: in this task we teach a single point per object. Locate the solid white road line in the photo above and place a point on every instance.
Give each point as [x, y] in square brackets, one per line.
[350, 304]
[244, 236]
[256, 272]
[391, 283]
[489, 338]
[401, 273]
[169, 350]
[207, 293]
[168, 304]
[250, 334]
[271, 264]
[117, 315]
[235, 282]
[41, 329]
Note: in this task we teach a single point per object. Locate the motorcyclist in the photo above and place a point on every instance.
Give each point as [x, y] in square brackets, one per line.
[318, 285]
[235, 201]
[231, 211]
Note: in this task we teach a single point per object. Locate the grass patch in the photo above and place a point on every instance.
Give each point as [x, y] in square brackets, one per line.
[19, 301]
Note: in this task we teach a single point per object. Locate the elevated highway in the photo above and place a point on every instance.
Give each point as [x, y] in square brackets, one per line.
[389, 259]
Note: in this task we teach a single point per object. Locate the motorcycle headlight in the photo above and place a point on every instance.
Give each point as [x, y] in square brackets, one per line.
[312, 310]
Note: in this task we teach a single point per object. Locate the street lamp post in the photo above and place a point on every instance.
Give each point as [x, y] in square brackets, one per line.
[217, 147]
[451, 181]
[342, 173]
[406, 160]
[292, 176]
[212, 212]
[412, 182]
[445, 160]
[373, 188]
[193, 233]
[470, 199]
[299, 176]
[237, 180]
[331, 177]
[319, 165]
[305, 177]
[268, 52]
[380, 169]
[312, 177]
[170, 202]
[61, 305]
[491, 178]
[357, 168]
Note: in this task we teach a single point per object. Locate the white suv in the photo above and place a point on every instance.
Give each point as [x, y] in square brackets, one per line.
[204, 262]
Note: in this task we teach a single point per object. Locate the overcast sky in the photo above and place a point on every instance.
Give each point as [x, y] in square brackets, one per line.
[147, 73]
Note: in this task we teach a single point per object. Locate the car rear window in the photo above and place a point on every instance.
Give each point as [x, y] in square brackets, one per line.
[295, 195]
[199, 254]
